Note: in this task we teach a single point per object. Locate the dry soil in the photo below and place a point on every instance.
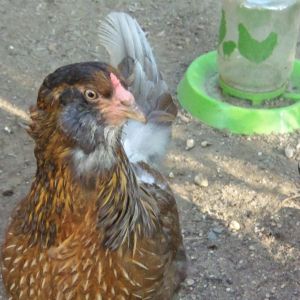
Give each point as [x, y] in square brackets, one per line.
[241, 225]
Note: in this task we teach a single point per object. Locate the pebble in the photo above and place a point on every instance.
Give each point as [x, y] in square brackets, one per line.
[251, 248]
[171, 175]
[234, 226]
[205, 144]
[211, 236]
[183, 118]
[190, 144]
[218, 230]
[52, 47]
[190, 281]
[7, 129]
[201, 181]
[289, 151]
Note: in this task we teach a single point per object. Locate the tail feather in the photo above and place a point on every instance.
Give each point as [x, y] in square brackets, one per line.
[131, 53]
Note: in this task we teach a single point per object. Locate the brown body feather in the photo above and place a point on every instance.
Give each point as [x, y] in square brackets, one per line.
[91, 227]
[90, 240]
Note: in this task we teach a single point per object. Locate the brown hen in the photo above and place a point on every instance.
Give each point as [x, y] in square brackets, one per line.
[99, 221]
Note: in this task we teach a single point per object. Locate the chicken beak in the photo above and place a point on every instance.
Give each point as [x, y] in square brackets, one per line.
[134, 112]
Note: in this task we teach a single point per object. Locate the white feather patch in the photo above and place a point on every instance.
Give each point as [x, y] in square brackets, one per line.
[146, 178]
[102, 158]
[145, 142]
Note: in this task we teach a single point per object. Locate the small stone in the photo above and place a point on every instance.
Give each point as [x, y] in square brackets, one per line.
[11, 47]
[171, 175]
[7, 130]
[201, 181]
[289, 151]
[204, 183]
[205, 144]
[211, 236]
[52, 47]
[183, 118]
[218, 230]
[190, 281]
[251, 248]
[228, 290]
[190, 143]
[234, 226]
[259, 153]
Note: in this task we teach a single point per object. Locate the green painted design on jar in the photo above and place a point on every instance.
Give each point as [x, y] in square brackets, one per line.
[254, 50]
[228, 47]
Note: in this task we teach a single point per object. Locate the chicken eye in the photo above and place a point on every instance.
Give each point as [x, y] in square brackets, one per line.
[90, 95]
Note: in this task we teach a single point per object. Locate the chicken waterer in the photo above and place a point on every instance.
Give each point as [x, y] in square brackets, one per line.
[251, 84]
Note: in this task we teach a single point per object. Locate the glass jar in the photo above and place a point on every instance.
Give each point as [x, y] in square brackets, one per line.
[257, 44]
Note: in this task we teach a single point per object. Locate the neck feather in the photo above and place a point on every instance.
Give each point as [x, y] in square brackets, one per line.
[123, 206]
[120, 206]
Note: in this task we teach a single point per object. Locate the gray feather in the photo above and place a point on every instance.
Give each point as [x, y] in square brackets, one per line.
[123, 38]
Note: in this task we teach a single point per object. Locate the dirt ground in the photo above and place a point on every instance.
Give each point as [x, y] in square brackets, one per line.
[241, 225]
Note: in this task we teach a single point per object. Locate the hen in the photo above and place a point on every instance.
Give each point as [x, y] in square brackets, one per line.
[99, 221]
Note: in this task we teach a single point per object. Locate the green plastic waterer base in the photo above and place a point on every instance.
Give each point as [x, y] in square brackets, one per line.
[197, 93]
